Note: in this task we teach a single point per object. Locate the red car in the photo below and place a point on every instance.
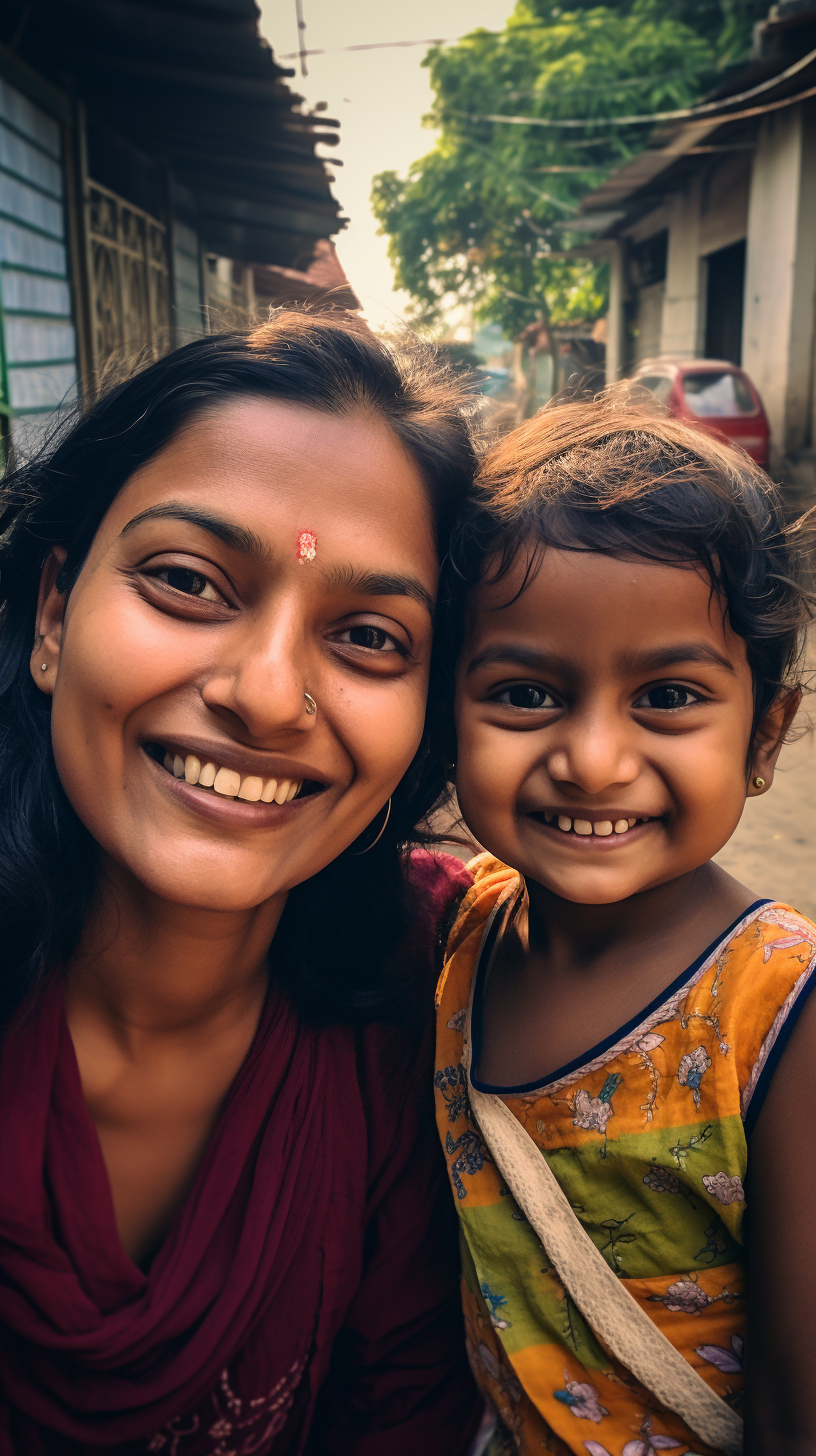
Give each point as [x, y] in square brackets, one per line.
[713, 394]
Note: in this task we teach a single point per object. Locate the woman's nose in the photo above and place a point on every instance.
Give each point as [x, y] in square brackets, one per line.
[593, 753]
[264, 678]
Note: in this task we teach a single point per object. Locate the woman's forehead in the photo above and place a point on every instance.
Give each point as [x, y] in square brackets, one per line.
[279, 470]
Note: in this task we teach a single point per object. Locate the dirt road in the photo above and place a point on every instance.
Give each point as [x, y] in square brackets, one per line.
[774, 848]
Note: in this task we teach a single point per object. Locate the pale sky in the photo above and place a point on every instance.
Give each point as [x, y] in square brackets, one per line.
[379, 98]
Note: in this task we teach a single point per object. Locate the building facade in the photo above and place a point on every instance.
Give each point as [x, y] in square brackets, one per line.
[152, 158]
[711, 236]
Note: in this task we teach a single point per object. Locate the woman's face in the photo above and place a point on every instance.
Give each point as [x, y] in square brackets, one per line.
[268, 552]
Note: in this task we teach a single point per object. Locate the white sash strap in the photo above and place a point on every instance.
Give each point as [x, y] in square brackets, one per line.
[607, 1306]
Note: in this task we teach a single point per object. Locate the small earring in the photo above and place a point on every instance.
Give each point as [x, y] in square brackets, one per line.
[43, 667]
[759, 782]
[311, 705]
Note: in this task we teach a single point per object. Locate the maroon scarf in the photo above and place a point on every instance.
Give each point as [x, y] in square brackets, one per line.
[98, 1351]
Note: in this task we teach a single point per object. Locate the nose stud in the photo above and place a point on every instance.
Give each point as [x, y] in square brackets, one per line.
[311, 705]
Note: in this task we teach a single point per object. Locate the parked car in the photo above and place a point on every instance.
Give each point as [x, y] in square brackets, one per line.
[711, 393]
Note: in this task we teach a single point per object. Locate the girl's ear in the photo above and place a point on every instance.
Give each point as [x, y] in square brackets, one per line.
[51, 605]
[769, 738]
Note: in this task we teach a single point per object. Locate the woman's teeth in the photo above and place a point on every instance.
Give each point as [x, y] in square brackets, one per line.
[603, 827]
[229, 783]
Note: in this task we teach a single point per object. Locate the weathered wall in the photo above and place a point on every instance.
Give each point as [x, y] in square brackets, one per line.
[780, 281]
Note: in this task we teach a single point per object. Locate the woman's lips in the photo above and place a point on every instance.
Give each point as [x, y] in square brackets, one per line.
[223, 794]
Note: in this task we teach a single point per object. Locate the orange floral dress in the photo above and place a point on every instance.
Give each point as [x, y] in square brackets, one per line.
[647, 1135]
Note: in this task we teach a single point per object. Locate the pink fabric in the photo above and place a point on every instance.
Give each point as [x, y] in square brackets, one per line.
[307, 1232]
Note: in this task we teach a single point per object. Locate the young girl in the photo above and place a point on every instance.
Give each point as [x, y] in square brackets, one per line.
[629, 621]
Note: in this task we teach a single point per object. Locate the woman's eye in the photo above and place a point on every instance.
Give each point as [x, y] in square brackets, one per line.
[375, 639]
[526, 695]
[667, 698]
[192, 583]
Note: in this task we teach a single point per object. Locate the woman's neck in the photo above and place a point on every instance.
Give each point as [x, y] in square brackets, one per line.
[148, 967]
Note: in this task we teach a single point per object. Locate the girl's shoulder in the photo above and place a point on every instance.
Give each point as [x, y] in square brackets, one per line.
[492, 884]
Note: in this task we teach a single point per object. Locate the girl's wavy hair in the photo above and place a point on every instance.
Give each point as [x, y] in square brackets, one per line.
[336, 941]
[617, 475]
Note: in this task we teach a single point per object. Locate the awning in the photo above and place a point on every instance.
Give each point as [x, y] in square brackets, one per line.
[193, 84]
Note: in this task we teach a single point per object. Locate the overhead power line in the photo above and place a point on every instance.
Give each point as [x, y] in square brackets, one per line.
[387, 45]
[686, 113]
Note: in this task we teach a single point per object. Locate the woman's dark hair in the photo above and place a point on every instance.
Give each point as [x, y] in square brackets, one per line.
[356, 906]
[616, 476]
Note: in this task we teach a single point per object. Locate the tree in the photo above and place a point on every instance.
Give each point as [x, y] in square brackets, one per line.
[484, 216]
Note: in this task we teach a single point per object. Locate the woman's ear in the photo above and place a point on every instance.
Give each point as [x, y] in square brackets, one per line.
[769, 739]
[51, 604]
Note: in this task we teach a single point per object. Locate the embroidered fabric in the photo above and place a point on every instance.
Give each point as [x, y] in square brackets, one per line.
[606, 1304]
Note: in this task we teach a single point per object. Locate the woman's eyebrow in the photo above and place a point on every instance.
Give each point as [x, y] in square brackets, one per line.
[379, 584]
[238, 538]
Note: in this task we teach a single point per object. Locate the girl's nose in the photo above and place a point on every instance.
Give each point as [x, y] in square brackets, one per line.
[264, 679]
[593, 754]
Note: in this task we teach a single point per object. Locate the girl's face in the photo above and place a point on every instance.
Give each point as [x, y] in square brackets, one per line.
[603, 722]
[268, 552]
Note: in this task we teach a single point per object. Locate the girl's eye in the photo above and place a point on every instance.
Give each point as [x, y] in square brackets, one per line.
[526, 695]
[667, 698]
[374, 639]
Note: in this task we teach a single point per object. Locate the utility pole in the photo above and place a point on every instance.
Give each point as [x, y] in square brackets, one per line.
[301, 25]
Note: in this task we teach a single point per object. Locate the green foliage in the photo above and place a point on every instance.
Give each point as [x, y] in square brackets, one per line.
[481, 215]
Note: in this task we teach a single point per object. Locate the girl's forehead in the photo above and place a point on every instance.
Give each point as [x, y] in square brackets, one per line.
[597, 605]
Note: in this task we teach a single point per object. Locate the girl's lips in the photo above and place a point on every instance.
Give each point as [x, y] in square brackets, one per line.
[227, 811]
[593, 842]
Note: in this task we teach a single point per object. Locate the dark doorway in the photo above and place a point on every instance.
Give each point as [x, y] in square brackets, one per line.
[726, 286]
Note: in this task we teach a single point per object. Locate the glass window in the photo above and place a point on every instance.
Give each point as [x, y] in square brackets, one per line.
[659, 384]
[717, 394]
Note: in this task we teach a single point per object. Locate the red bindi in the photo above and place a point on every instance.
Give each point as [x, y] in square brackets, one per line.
[306, 547]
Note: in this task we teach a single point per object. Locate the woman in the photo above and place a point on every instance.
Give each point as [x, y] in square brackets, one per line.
[217, 1173]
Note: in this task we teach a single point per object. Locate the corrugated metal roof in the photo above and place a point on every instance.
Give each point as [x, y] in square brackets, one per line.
[192, 83]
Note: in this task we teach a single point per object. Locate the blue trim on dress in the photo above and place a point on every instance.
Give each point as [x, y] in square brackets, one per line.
[783, 1037]
[609, 1041]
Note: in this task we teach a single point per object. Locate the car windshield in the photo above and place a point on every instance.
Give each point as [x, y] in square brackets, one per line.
[659, 384]
[723, 394]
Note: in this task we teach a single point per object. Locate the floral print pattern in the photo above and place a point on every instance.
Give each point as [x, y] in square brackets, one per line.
[724, 1189]
[581, 1400]
[658, 1186]
[693, 1067]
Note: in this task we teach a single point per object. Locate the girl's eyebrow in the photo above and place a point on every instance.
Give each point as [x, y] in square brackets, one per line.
[522, 656]
[670, 656]
[238, 538]
[636, 663]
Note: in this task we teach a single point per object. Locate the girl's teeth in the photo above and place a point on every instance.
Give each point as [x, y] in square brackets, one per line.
[192, 768]
[631, 823]
[582, 826]
[178, 767]
[282, 791]
[227, 782]
[564, 822]
[251, 789]
[621, 826]
[605, 827]
[269, 791]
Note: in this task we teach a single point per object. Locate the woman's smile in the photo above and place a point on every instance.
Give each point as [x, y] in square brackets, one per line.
[224, 784]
